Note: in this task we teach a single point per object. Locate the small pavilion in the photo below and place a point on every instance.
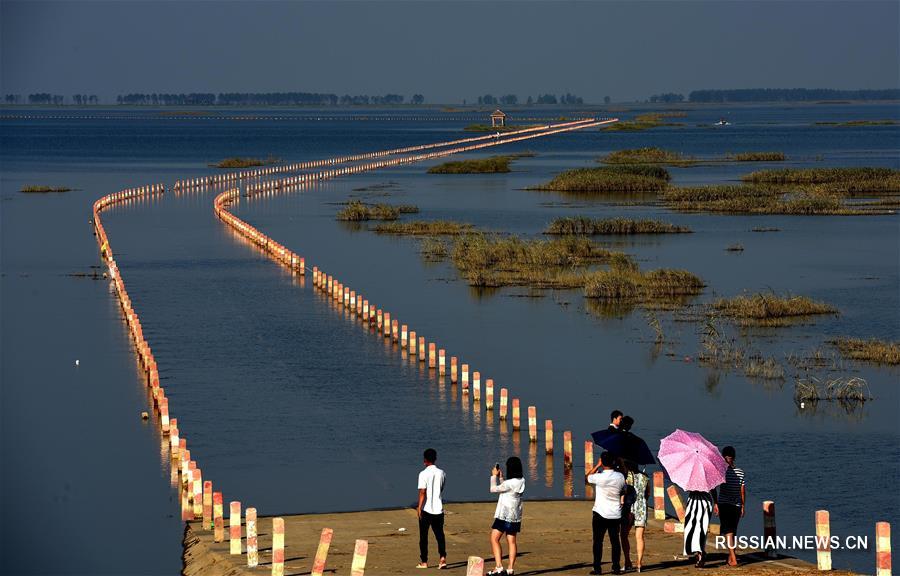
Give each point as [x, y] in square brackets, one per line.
[498, 119]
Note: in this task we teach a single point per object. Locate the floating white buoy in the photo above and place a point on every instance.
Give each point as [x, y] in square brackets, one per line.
[77, 362]
[401, 529]
[803, 404]
[144, 416]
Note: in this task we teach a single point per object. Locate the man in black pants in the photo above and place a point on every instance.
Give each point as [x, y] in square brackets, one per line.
[430, 509]
[607, 512]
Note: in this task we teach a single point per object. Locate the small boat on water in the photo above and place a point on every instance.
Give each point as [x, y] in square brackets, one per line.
[722, 122]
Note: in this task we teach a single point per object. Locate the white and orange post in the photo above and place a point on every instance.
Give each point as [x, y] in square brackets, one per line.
[442, 362]
[532, 424]
[548, 436]
[475, 566]
[465, 379]
[360, 551]
[516, 416]
[318, 568]
[882, 549]
[588, 455]
[207, 505]
[277, 546]
[234, 527]
[659, 495]
[423, 355]
[504, 400]
[823, 540]
[404, 336]
[252, 538]
[769, 532]
[395, 331]
[432, 355]
[678, 504]
[412, 342]
[197, 488]
[218, 520]
[454, 370]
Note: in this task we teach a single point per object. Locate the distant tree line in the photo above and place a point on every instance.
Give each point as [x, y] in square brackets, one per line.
[542, 99]
[54, 99]
[263, 99]
[790, 95]
[667, 98]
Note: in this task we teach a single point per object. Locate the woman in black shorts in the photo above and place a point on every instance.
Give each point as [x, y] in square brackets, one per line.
[508, 516]
[732, 497]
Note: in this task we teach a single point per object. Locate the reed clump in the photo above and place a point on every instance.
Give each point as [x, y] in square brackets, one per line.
[356, 211]
[770, 309]
[492, 260]
[424, 228]
[820, 175]
[847, 391]
[649, 155]
[238, 162]
[762, 199]
[644, 122]
[872, 350]
[581, 225]
[629, 283]
[757, 157]
[492, 165]
[764, 369]
[33, 189]
[619, 178]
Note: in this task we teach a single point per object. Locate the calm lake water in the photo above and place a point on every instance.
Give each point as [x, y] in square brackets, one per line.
[287, 402]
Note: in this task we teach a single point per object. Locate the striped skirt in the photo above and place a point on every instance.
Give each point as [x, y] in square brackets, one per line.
[696, 522]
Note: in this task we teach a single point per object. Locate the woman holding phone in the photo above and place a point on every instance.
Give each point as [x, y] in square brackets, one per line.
[508, 516]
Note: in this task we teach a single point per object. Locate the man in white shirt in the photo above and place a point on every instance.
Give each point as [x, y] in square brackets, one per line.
[607, 511]
[430, 509]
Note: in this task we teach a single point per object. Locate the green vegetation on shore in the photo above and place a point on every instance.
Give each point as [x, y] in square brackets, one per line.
[424, 228]
[492, 165]
[238, 162]
[356, 211]
[648, 155]
[44, 189]
[850, 123]
[769, 309]
[872, 350]
[615, 178]
[757, 157]
[581, 225]
[644, 122]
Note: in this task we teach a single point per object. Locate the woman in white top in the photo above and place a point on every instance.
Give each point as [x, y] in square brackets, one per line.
[508, 516]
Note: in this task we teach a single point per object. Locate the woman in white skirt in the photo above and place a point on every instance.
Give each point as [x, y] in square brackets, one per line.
[700, 506]
[508, 516]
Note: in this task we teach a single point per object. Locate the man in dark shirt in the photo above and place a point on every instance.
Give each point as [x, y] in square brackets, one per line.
[614, 420]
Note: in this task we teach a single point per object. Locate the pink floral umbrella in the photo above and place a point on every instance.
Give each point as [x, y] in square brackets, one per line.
[692, 461]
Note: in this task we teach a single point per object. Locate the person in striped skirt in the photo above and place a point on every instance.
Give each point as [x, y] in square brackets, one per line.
[700, 506]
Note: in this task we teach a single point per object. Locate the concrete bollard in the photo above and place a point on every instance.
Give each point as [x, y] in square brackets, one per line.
[677, 502]
[404, 336]
[360, 551]
[504, 402]
[234, 527]
[475, 566]
[379, 320]
[515, 414]
[432, 354]
[769, 532]
[187, 510]
[197, 489]
[252, 542]
[366, 310]
[567, 449]
[548, 437]
[423, 356]
[395, 331]
[823, 537]
[207, 505]
[489, 394]
[218, 520]
[387, 325]
[532, 424]
[588, 455]
[318, 568]
[882, 549]
[277, 546]
[442, 362]
[659, 496]
[412, 342]
[465, 379]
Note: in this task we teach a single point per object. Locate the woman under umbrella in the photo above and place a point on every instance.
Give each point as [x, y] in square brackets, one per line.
[694, 463]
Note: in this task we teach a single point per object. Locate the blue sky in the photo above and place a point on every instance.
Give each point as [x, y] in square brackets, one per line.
[447, 51]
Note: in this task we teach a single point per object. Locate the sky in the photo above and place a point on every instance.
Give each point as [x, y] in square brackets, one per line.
[446, 50]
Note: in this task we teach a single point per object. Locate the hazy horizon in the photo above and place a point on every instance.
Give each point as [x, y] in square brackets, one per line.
[447, 51]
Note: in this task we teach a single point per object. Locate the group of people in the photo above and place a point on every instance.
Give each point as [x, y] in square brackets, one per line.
[622, 490]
